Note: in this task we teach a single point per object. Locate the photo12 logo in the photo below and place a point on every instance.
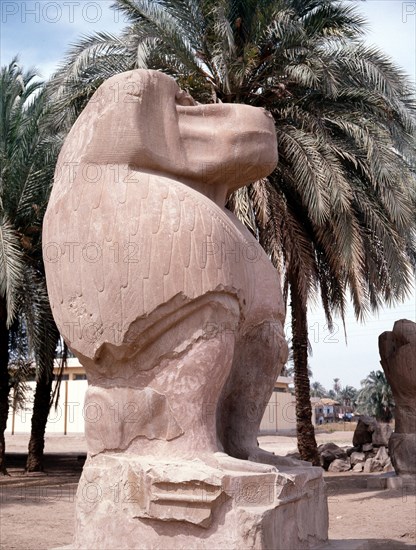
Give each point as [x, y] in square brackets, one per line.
[408, 11]
[30, 11]
[236, 251]
[91, 252]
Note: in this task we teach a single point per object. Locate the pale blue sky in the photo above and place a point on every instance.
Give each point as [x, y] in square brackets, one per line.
[41, 30]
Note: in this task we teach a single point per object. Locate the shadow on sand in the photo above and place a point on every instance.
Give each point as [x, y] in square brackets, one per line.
[368, 544]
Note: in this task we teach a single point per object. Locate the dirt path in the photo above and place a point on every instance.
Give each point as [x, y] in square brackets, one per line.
[387, 518]
[37, 513]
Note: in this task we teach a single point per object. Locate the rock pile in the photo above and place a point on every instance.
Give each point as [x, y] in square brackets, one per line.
[368, 454]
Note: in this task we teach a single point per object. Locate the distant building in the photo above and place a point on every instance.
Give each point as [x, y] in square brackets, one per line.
[326, 409]
[280, 413]
[68, 416]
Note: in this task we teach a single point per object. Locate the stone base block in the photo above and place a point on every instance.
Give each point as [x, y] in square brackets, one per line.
[405, 483]
[346, 544]
[130, 503]
[391, 480]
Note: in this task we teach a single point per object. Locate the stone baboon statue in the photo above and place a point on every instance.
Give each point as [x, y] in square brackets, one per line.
[166, 298]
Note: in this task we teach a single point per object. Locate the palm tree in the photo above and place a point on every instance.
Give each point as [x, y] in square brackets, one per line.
[317, 390]
[337, 386]
[347, 396]
[289, 367]
[27, 158]
[337, 215]
[20, 368]
[332, 395]
[375, 397]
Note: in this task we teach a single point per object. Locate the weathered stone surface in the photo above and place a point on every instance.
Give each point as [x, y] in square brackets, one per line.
[328, 452]
[367, 447]
[148, 415]
[390, 480]
[294, 454]
[388, 466]
[381, 434]
[398, 359]
[164, 504]
[351, 450]
[382, 456]
[154, 285]
[402, 449]
[367, 466]
[340, 465]
[363, 433]
[359, 467]
[357, 458]
[372, 465]
[405, 483]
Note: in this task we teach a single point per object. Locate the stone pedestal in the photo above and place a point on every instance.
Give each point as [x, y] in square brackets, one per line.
[390, 480]
[148, 504]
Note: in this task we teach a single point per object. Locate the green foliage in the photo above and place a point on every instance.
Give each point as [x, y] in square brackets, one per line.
[28, 155]
[375, 397]
[19, 373]
[317, 390]
[347, 396]
[20, 367]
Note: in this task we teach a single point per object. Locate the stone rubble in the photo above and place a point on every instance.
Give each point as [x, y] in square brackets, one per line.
[340, 465]
[368, 454]
[357, 458]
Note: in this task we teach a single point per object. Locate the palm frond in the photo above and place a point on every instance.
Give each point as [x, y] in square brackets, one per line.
[11, 267]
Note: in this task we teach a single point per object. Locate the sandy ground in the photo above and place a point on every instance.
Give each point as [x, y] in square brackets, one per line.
[37, 512]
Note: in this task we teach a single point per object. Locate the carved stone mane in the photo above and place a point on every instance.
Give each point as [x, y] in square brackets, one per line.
[137, 227]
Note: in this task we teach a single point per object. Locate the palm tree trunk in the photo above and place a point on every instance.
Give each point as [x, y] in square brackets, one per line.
[4, 382]
[40, 414]
[42, 401]
[305, 431]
